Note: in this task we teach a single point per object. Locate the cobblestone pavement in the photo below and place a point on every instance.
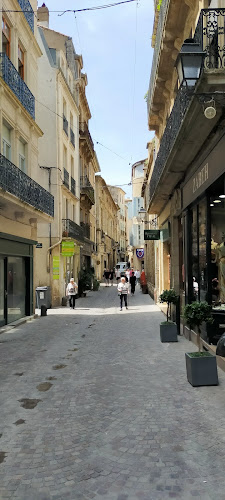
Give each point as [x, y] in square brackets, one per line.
[120, 421]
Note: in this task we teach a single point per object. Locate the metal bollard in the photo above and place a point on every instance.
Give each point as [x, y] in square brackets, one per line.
[43, 310]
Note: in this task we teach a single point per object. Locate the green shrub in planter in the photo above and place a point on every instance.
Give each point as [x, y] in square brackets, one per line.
[96, 285]
[201, 366]
[168, 329]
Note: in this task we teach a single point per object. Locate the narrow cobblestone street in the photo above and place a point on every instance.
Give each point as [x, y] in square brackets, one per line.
[120, 421]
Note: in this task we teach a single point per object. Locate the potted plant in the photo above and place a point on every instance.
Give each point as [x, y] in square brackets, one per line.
[201, 365]
[168, 329]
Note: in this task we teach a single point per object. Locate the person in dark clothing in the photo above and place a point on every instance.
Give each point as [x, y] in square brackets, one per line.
[111, 276]
[132, 283]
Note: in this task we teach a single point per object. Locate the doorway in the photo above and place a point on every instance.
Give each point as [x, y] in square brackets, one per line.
[13, 289]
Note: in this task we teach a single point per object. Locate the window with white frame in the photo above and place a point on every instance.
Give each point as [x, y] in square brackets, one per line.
[6, 141]
[22, 155]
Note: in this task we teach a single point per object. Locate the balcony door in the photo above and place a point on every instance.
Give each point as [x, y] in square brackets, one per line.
[3, 291]
[12, 289]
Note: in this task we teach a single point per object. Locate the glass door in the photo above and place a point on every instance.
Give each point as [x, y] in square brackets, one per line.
[3, 293]
[16, 288]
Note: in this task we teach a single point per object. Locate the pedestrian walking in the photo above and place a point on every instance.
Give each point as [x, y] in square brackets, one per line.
[137, 274]
[127, 274]
[123, 290]
[117, 275]
[111, 276]
[106, 276]
[132, 283]
[71, 292]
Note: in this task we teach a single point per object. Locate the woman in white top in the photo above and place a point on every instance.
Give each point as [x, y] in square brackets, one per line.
[123, 290]
[71, 292]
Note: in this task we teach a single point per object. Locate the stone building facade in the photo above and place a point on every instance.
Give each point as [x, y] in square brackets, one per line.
[24, 201]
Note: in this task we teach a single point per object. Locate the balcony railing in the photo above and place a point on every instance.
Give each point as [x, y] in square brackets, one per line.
[170, 134]
[65, 125]
[158, 41]
[16, 182]
[66, 178]
[72, 230]
[12, 78]
[85, 134]
[87, 189]
[28, 12]
[87, 229]
[72, 137]
[210, 35]
[73, 186]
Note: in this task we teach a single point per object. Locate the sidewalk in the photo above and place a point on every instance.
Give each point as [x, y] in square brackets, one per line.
[119, 422]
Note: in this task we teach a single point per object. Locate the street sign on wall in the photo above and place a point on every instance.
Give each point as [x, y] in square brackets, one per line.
[151, 234]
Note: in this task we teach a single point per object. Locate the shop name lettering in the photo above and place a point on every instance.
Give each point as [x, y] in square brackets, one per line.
[201, 178]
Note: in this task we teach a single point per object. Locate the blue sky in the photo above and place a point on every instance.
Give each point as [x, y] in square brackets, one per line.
[116, 83]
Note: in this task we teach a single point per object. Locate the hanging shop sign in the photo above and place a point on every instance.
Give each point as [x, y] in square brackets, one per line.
[55, 267]
[140, 253]
[151, 234]
[67, 248]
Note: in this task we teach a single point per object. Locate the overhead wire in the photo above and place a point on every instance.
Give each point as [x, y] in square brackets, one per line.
[62, 12]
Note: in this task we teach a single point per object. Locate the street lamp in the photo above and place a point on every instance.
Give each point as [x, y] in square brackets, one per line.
[189, 63]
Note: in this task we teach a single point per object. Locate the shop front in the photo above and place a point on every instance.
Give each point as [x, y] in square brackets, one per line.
[204, 237]
[16, 278]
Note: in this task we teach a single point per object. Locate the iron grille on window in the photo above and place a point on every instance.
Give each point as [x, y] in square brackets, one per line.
[65, 125]
[72, 138]
[66, 179]
[73, 186]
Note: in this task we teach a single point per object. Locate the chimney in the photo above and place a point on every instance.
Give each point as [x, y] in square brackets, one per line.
[43, 16]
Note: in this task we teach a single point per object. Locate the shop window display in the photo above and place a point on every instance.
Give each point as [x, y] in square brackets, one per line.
[217, 205]
[199, 268]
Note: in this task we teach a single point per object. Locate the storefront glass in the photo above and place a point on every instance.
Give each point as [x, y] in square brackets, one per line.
[217, 205]
[16, 288]
[2, 291]
[198, 251]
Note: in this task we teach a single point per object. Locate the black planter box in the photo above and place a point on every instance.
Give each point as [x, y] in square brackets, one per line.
[168, 332]
[201, 370]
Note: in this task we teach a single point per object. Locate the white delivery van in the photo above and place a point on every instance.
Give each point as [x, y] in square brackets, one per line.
[122, 266]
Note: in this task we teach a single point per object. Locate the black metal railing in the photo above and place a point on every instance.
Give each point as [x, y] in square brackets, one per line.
[85, 134]
[170, 134]
[73, 186]
[28, 12]
[72, 137]
[16, 182]
[87, 229]
[65, 125]
[72, 230]
[210, 35]
[12, 78]
[87, 188]
[66, 178]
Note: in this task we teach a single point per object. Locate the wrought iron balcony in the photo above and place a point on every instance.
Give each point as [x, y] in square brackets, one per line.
[28, 12]
[210, 34]
[16, 182]
[66, 179]
[72, 230]
[87, 189]
[72, 137]
[87, 229]
[65, 125]
[85, 134]
[12, 78]
[170, 134]
[73, 186]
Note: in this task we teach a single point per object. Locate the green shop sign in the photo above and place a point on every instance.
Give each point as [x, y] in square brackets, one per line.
[55, 266]
[151, 234]
[67, 248]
